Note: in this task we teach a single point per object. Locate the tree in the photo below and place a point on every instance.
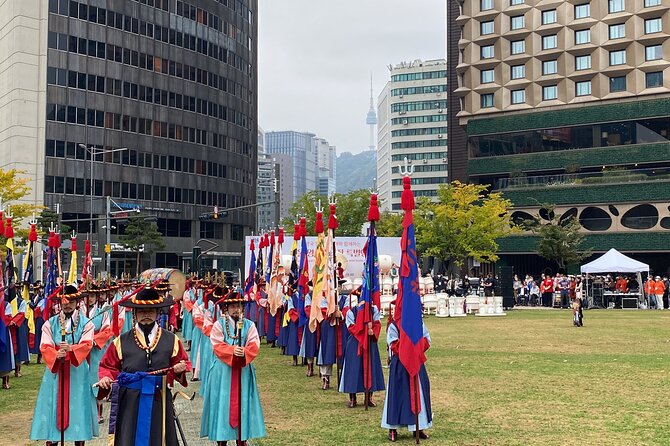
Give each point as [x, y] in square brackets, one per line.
[14, 187]
[559, 238]
[45, 220]
[464, 222]
[142, 235]
[390, 224]
[352, 211]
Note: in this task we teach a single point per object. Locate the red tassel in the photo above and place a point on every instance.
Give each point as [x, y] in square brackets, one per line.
[33, 234]
[332, 219]
[266, 241]
[74, 244]
[115, 320]
[52, 243]
[303, 227]
[261, 245]
[9, 231]
[87, 247]
[373, 212]
[318, 226]
[407, 197]
[2, 223]
[280, 239]
[296, 232]
[251, 245]
[272, 238]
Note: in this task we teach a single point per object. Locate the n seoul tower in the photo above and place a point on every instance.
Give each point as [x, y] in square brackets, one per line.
[371, 119]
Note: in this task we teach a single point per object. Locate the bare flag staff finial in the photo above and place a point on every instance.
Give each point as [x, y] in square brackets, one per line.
[407, 170]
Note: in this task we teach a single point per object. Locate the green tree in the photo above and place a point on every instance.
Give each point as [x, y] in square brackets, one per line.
[390, 224]
[13, 188]
[560, 238]
[352, 212]
[140, 235]
[463, 222]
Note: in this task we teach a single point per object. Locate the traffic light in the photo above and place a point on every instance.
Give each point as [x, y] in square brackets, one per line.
[216, 212]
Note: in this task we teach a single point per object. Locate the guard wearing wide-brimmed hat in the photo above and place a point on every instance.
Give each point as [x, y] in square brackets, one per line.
[145, 357]
[210, 314]
[66, 342]
[236, 343]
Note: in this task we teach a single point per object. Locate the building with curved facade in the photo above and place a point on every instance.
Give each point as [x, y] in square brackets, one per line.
[150, 102]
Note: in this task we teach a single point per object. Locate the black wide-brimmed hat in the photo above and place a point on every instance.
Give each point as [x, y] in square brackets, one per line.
[148, 298]
[163, 286]
[70, 292]
[232, 298]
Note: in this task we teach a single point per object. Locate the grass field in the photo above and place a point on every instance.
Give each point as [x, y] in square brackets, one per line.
[526, 379]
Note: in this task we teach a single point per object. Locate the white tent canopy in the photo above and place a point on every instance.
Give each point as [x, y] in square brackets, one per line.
[615, 262]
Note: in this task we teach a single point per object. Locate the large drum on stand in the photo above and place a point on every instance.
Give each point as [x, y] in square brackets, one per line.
[176, 278]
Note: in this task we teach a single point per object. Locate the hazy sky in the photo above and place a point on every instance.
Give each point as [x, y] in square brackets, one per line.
[316, 57]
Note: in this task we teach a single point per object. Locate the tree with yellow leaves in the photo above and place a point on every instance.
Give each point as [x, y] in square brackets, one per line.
[13, 187]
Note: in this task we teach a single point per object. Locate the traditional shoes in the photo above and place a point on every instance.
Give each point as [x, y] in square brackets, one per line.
[326, 383]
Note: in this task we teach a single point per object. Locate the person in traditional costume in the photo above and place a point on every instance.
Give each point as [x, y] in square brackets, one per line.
[163, 314]
[38, 317]
[309, 347]
[262, 304]
[188, 300]
[398, 403]
[66, 342]
[231, 401]
[292, 337]
[96, 308]
[144, 363]
[329, 343]
[210, 314]
[6, 348]
[352, 381]
[198, 320]
[18, 327]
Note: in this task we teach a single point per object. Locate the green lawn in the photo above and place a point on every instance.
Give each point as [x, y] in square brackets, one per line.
[526, 379]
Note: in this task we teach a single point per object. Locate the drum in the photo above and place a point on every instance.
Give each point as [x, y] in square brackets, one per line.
[385, 263]
[286, 261]
[176, 277]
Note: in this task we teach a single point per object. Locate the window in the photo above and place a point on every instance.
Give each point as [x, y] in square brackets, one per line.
[649, 3]
[616, 6]
[549, 42]
[583, 62]
[549, 67]
[582, 11]
[652, 26]
[617, 84]
[486, 76]
[518, 47]
[583, 88]
[653, 52]
[549, 92]
[516, 2]
[517, 22]
[487, 100]
[582, 36]
[549, 17]
[618, 57]
[617, 31]
[485, 5]
[518, 96]
[486, 28]
[654, 79]
[487, 52]
[518, 71]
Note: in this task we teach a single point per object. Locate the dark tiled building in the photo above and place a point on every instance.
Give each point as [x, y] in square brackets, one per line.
[174, 82]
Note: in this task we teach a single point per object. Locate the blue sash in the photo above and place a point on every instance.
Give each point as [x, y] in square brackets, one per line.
[147, 385]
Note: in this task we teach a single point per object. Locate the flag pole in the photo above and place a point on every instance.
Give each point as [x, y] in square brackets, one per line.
[369, 338]
[62, 369]
[373, 217]
[240, 325]
[332, 225]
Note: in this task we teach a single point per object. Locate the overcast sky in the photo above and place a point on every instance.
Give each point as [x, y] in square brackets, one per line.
[316, 57]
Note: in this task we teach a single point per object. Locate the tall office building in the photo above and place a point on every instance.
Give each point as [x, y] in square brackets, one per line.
[568, 103]
[266, 186]
[326, 156]
[299, 162]
[413, 124]
[151, 103]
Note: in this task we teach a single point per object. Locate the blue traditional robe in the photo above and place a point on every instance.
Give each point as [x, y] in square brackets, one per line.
[352, 369]
[216, 415]
[39, 321]
[6, 348]
[328, 334]
[83, 422]
[187, 320]
[102, 337]
[20, 330]
[397, 404]
[309, 347]
[198, 319]
[206, 351]
[292, 346]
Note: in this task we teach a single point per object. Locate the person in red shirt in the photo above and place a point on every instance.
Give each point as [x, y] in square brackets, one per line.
[547, 290]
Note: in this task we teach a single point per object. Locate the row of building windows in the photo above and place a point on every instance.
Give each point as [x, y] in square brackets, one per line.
[419, 119]
[417, 193]
[651, 26]
[145, 61]
[133, 25]
[419, 156]
[211, 20]
[418, 144]
[143, 126]
[581, 11]
[424, 168]
[130, 157]
[100, 84]
[422, 131]
[419, 90]
[418, 105]
[582, 88]
[134, 191]
[421, 181]
[419, 76]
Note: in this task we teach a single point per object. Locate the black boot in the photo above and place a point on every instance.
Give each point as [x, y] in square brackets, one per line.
[5, 382]
[352, 400]
[393, 435]
[295, 361]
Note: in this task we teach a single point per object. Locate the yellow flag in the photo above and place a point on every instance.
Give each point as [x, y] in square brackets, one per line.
[72, 276]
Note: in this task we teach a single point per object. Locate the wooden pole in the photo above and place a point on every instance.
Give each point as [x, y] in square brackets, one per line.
[240, 325]
[338, 331]
[62, 372]
[417, 405]
[368, 390]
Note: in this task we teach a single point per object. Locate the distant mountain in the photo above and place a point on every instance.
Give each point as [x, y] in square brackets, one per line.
[356, 171]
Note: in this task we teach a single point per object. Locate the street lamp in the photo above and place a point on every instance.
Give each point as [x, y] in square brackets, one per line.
[95, 151]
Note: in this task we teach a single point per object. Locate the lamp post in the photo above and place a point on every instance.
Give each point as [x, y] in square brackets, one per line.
[95, 151]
